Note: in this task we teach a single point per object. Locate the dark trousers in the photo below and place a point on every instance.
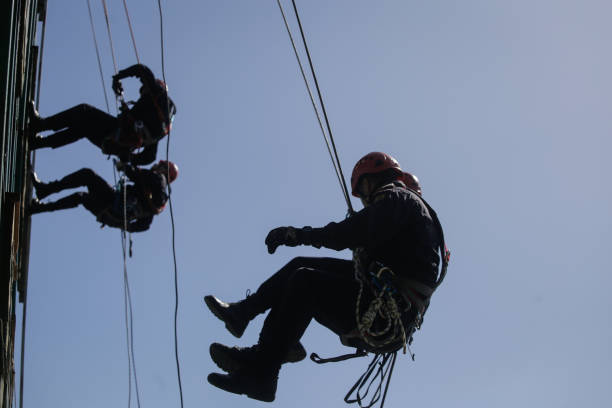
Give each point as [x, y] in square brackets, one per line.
[76, 123]
[99, 196]
[305, 288]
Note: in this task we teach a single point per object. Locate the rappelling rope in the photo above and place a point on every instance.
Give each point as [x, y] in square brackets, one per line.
[382, 367]
[334, 156]
[127, 294]
[132, 373]
[384, 303]
[93, 32]
[127, 15]
[110, 37]
[176, 291]
[331, 137]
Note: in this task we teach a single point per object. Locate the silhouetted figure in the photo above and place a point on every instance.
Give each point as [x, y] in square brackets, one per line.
[141, 126]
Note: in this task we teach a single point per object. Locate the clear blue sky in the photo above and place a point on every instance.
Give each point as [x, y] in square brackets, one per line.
[501, 108]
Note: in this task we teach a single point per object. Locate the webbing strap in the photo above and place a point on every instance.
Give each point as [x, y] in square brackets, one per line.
[381, 369]
[358, 353]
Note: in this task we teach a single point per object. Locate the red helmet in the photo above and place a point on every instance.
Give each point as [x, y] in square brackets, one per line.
[168, 169]
[162, 84]
[373, 163]
[412, 182]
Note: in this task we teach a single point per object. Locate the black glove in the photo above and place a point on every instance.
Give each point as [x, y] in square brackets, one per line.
[117, 87]
[283, 236]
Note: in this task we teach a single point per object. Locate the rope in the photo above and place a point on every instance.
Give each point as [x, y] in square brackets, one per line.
[383, 305]
[110, 37]
[312, 101]
[93, 32]
[329, 131]
[176, 291]
[129, 322]
[127, 15]
[382, 367]
[126, 286]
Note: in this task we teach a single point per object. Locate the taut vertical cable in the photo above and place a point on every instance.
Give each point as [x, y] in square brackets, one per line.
[127, 15]
[93, 32]
[176, 291]
[331, 137]
[334, 156]
[110, 37]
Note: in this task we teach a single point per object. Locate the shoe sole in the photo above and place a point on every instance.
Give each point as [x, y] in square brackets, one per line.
[223, 386]
[212, 305]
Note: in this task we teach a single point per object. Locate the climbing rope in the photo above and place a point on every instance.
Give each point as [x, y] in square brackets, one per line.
[127, 15]
[384, 304]
[125, 238]
[176, 290]
[110, 37]
[334, 156]
[382, 367]
[93, 32]
[129, 322]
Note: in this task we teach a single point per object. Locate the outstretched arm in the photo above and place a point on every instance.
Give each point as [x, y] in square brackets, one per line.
[140, 71]
[349, 233]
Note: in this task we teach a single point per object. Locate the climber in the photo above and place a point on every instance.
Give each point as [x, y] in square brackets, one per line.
[142, 125]
[140, 200]
[396, 231]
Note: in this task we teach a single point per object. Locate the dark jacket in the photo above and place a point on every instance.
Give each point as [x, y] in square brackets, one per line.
[397, 230]
[154, 108]
[143, 199]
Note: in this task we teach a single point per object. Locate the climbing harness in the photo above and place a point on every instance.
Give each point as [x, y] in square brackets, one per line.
[391, 297]
[384, 306]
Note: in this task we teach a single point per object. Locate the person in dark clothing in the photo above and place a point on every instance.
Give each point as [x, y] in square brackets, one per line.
[137, 202]
[396, 231]
[141, 126]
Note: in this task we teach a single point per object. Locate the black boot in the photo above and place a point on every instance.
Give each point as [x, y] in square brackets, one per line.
[70, 201]
[234, 359]
[235, 318]
[44, 189]
[35, 207]
[34, 118]
[257, 385]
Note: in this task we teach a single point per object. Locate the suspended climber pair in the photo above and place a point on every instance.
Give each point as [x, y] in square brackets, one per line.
[374, 302]
[140, 126]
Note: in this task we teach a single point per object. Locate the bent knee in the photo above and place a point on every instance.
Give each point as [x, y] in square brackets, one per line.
[298, 262]
[87, 172]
